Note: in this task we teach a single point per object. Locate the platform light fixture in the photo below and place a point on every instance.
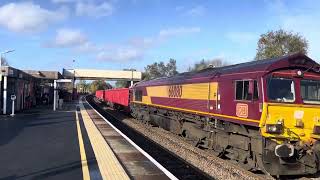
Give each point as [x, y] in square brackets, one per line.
[5, 52]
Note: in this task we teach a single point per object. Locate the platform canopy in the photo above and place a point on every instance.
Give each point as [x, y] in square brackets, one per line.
[93, 74]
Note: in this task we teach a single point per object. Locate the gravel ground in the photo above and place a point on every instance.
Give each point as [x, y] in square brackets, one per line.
[213, 166]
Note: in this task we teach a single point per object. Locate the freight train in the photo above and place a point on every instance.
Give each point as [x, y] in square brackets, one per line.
[263, 115]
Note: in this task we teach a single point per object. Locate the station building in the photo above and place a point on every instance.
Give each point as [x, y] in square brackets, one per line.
[29, 87]
[32, 87]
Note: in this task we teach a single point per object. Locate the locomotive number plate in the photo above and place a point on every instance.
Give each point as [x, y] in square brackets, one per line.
[175, 91]
[242, 110]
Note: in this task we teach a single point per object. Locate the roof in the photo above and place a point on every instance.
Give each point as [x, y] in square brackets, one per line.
[49, 75]
[14, 73]
[260, 66]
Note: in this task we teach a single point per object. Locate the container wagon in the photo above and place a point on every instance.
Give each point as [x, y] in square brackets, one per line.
[117, 98]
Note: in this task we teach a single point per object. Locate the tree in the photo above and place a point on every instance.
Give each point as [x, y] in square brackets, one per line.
[278, 43]
[4, 61]
[123, 83]
[82, 86]
[203, 64]
[99, 85]
[160, 69]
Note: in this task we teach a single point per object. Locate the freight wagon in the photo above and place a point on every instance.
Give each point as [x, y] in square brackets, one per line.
[100, 94]
[117, 98]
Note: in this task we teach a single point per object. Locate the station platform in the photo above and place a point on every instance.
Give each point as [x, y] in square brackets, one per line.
[67, 144]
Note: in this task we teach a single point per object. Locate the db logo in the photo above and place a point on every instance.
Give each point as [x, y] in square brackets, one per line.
[175, 91]
[242, 110]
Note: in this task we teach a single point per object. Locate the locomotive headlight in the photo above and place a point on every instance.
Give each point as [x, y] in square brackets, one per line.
[274, 128]
[299, 73]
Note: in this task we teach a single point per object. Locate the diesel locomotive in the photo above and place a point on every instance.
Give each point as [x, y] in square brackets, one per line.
[263, 115]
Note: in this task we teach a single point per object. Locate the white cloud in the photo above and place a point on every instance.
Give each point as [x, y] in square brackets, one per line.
[242, 38]
[136, 48]
[87, 47]
[179, 8]
[178, 31]
[94, 10]
[63, 1]
[142, 42]
[67, 38]
[133, 49]
[196, 11]
[121, 54]
[28, 17]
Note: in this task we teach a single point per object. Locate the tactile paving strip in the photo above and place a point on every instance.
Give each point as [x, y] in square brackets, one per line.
[110, 167]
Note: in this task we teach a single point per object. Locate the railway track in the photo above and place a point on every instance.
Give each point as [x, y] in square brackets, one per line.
[174, 164]
[179, 157]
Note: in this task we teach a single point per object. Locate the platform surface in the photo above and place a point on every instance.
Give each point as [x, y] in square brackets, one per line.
[40, 144]
[135, 162]
[67, 144]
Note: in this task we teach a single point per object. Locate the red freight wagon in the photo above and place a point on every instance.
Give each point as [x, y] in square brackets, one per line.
[100, 94]
[119, 97]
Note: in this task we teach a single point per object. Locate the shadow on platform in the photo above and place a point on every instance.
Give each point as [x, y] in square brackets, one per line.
[40, 144]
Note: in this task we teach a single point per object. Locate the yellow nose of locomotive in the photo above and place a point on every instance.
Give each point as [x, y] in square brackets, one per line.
[291, 122]
[291, 135]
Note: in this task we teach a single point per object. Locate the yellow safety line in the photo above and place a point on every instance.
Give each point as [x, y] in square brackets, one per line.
[84, 162]
[109, 166]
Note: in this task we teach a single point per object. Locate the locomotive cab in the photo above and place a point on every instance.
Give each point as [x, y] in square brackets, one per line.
[290, 121]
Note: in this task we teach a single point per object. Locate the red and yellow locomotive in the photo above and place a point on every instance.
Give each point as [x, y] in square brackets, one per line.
[264, 115]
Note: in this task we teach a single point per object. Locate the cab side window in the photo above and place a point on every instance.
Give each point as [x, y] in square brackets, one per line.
[255, 90]
[246, 90]
[239, 90]
[138, 95]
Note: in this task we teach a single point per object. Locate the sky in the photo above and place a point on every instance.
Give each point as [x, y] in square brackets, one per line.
[118, 34]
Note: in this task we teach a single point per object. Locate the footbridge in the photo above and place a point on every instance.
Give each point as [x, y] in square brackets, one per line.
[70, 75]
[93, 74]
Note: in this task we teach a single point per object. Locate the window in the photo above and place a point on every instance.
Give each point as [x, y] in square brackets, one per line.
[138, 95]
[281, 90]
[239, 90]
[247, 90]
[310, 91]
[255, 90]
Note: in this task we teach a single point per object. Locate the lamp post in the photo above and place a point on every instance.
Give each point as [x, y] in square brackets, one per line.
[4, 108]
[131, 77]
[73, 79]
[5, 52]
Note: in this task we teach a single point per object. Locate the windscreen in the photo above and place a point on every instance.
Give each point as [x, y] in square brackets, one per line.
[310, 91]
[281, 90]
